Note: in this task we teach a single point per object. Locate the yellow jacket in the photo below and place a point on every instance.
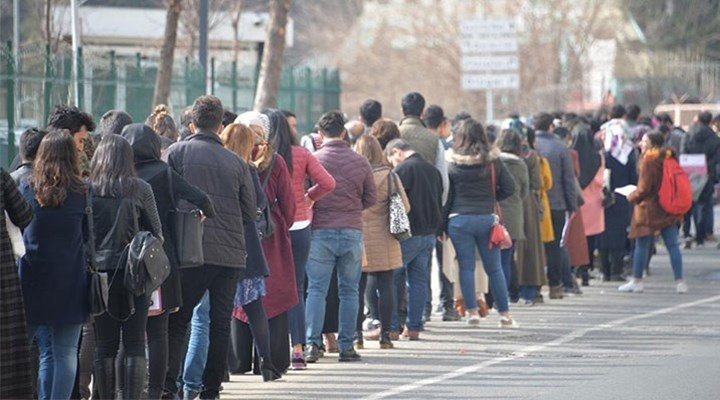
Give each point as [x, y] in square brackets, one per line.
[546, 226]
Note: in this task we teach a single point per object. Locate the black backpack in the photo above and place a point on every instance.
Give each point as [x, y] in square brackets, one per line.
[146, 264]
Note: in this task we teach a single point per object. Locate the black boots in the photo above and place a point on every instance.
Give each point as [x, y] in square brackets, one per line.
[268, 371]
[104, 377]
[135, 372]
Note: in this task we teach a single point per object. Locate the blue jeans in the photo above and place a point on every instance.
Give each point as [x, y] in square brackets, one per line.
[468, 232]
[528, 292]
[642, 252]
[331, 248]
[58, 348]
[296, 315]
[416, 252]
[198, 344]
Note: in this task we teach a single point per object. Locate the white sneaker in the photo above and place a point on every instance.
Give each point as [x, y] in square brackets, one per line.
[632, 287]
[510, 323]
[682, 288]
[473, 320]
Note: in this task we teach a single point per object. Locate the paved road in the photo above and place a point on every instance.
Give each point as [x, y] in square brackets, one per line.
[601, 345]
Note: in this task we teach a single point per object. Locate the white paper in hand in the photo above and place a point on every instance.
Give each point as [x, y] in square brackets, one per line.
[625, 190]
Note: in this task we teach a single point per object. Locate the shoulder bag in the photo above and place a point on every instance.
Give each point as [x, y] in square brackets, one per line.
[98, 288]
[499, 236]
[185, 230]
[399, 221]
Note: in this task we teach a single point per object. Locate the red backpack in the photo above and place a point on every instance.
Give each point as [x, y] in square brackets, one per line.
[675, 194]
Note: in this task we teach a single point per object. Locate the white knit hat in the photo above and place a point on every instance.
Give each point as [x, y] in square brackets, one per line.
[254, 118]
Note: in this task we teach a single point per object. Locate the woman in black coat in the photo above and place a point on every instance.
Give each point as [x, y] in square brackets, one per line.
[146, 145]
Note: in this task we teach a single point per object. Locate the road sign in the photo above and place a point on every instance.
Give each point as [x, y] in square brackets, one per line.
[489, 63]
[488, 45]
[483, 26]
[490, 81]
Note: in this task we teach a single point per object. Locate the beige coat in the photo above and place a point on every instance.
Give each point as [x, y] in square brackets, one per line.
[382, 250]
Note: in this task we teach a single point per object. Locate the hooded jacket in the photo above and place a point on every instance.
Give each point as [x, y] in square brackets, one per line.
[204, 162]
[146, 145]
[701, 139]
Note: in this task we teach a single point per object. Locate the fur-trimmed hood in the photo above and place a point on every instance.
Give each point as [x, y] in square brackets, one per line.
[452, 157]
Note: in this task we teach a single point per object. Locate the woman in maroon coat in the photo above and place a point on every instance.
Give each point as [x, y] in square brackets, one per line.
[280, 285]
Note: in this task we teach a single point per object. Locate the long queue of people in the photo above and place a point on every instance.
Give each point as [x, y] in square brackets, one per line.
[312, 244]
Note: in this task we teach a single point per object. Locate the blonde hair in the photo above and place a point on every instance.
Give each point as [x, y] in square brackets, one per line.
[369, 147]
[239, 139]
[162, 122]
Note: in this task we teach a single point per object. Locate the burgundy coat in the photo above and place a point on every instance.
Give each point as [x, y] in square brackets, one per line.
[281, 289]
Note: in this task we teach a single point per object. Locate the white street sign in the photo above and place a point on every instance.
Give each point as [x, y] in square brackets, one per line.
[491, 45]
[489, 63]
[482, 26]
[489, 82]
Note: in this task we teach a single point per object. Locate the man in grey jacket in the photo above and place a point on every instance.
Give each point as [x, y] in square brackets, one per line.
[562, 196]
[205, 163]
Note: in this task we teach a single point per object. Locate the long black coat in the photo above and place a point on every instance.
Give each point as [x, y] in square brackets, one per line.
[618, 216]
[149, 167]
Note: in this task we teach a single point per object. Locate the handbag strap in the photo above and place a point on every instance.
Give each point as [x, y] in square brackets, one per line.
[269, 173]
[91, 230]
[173, 206]
[498, 210]
[392, 184]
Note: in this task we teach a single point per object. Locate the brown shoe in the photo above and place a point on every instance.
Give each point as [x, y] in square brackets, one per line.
[460, 307]
[411, 335]
[385, 341]
[394, 335]
[331, 345]
[556, 292]
[482, 308]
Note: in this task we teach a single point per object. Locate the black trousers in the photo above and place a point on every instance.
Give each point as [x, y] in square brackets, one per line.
[384, 292]
[157, 338]
[246, 358]
[221, 283]
[108, 328]
[553, 251]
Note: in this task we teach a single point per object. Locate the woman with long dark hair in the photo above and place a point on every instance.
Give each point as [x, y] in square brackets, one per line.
[478, 179]
[303, 167]
[53, 269]
[146, 145]
[120, 202]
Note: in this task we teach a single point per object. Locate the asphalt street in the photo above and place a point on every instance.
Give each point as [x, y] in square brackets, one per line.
[600, 345]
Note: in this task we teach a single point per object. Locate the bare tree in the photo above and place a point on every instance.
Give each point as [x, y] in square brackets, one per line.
[272, 61]
[167, 53]
[236, 13]
[190, 21]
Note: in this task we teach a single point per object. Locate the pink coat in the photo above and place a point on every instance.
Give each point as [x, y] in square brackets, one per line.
[305, 165]
[592, 211]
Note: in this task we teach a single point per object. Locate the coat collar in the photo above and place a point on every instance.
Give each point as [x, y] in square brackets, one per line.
[412, 120]
[207, 136]
[452, 157]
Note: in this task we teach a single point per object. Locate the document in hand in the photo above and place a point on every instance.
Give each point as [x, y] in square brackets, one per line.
[625, 190]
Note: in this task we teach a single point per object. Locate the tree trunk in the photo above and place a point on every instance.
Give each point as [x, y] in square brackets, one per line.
[167, 53]
[272, 60]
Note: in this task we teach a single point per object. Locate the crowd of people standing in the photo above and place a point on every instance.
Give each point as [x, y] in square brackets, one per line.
[316, 243]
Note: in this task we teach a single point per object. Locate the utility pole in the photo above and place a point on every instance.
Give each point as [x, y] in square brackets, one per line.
[203, 49]
[16, 32]
[75, 47]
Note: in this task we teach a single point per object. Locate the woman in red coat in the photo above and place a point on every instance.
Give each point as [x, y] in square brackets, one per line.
[281, 289]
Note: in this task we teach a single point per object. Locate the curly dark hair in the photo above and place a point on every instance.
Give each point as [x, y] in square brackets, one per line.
[70, 118]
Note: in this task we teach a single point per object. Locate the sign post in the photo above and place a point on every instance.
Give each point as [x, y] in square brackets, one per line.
[489, 58]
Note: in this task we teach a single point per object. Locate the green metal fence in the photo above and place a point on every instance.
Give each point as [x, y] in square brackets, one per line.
[110, 81]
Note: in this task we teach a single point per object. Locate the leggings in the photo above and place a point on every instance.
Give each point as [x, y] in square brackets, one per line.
[157, 343]
[385, 304]
[259, 326]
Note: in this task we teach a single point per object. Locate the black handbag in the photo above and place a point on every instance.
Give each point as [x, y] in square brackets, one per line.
[185, 230]
[146, 264]
[98, 287]
[265, 223]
